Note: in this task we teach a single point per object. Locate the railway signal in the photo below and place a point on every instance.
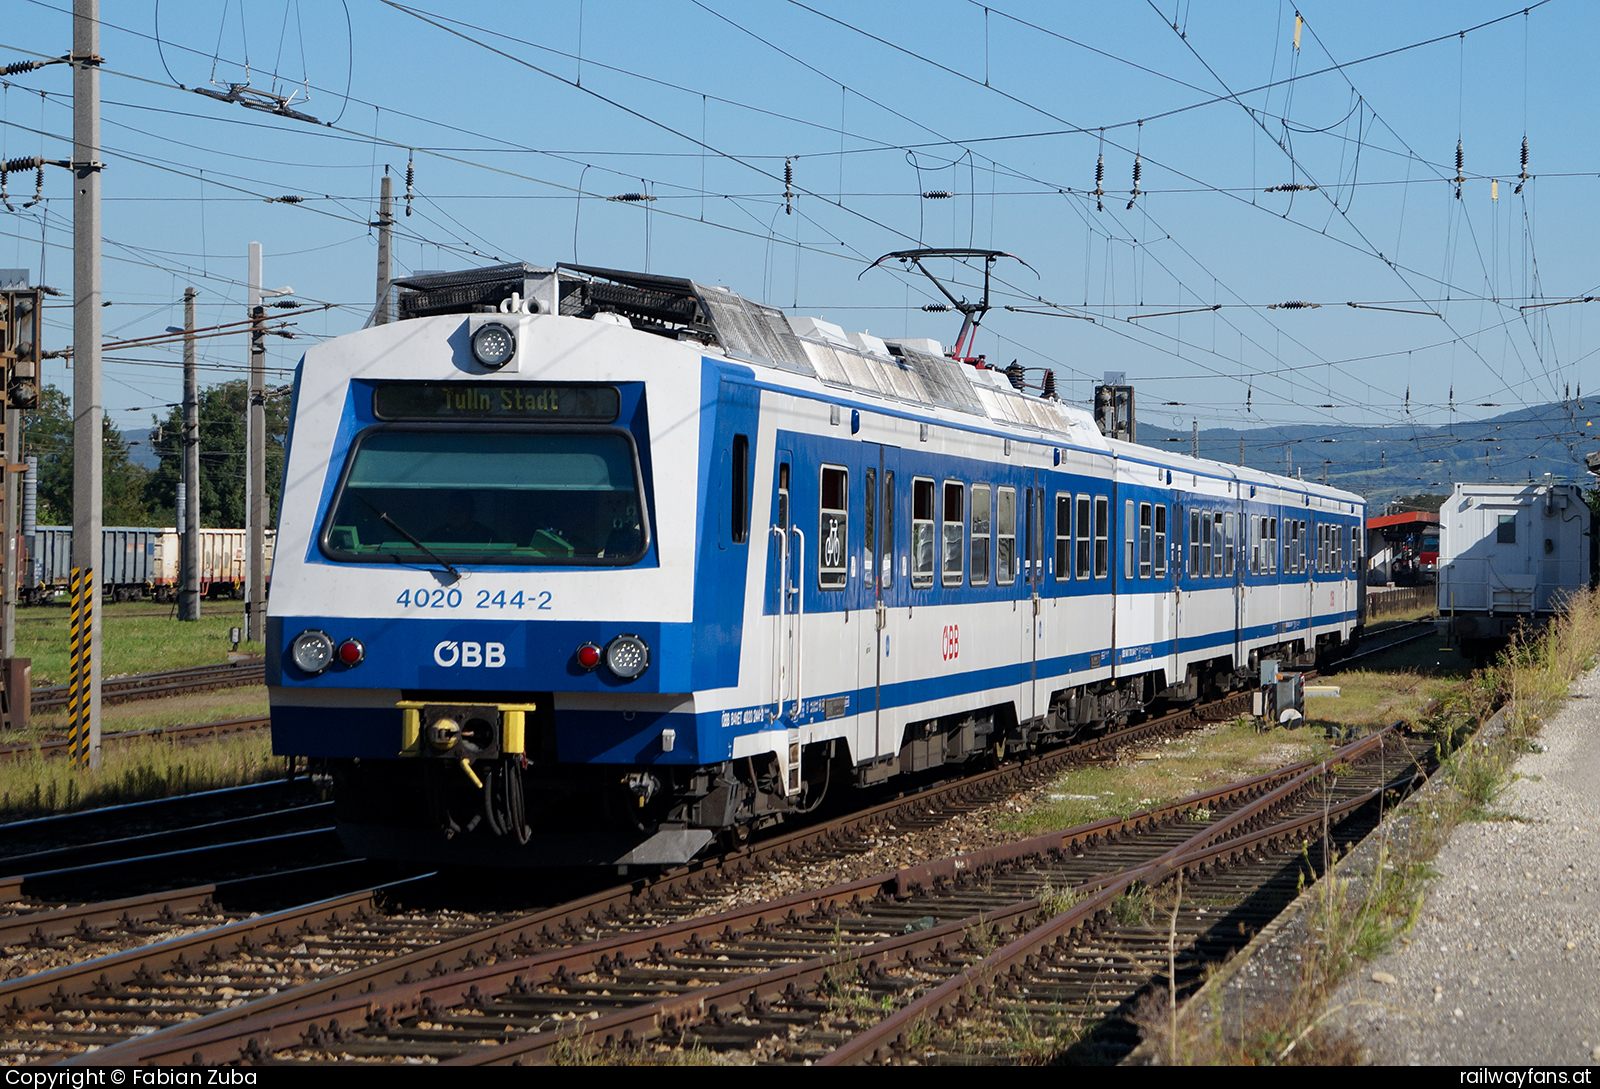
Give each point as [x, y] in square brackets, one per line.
[20, 327]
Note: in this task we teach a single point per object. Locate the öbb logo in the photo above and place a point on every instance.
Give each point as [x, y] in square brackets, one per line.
[952, 642]
[470, 655]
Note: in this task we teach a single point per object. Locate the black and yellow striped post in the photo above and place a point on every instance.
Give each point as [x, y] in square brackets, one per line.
[78, 726]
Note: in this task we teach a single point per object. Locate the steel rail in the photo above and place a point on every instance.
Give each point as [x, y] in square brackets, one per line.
[139, 686]
[1373, 652]
[188, 838]
[58, 824]
[64, 922]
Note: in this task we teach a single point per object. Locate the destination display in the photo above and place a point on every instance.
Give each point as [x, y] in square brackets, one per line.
[519, 402]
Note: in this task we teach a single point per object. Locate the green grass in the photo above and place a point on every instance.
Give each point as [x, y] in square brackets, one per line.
[154, 714]
[1186, 765]
[37, 785]
[137, 637]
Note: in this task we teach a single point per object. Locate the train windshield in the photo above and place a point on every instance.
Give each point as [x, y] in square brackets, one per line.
[488, 496]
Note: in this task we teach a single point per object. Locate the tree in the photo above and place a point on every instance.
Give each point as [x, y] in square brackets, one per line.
[223, 447]
[47, 435]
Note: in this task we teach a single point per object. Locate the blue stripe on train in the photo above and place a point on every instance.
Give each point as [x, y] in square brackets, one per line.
[619, 737]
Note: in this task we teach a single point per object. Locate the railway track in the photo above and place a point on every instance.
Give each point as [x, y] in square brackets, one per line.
[1409, 632]
[699, 888]
[195, 732]
[835, 975]
[149, 686]
[196, 973]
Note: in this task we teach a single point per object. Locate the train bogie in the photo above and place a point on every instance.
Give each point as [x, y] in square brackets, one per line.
[606, 576]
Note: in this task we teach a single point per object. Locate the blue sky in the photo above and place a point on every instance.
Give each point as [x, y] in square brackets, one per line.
[520, 119]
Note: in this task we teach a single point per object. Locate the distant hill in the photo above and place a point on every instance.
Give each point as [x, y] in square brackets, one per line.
[139, 450]
[1385, 462]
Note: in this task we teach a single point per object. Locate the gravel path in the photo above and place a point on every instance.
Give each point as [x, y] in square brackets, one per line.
[1503, 967]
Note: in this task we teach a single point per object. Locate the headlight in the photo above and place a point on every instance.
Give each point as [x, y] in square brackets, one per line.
[312, 651]
[627, 656]
[493, 345]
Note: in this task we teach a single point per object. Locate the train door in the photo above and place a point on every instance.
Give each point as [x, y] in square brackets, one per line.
[1030, 609]
[1238, 538]
[1173, 587]
[783, 591]
[883, 593]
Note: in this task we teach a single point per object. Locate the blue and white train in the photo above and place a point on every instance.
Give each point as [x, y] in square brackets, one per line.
[582, 566]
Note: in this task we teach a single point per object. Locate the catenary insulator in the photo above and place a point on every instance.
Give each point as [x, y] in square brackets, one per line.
[937, 194]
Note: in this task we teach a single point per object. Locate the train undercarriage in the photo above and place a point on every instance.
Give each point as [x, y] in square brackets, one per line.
[469, 801]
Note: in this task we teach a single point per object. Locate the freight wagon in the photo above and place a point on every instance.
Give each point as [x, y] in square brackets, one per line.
[1509, 554]
[139, 562]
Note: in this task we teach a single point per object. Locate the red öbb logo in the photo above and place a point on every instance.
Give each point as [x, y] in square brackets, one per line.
[952, 642]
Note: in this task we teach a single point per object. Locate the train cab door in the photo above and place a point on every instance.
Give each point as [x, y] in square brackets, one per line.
[883, 598]
[1030, 609]
[783, 594]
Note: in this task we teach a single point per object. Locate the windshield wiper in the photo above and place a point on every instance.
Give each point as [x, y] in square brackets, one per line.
[398, 528]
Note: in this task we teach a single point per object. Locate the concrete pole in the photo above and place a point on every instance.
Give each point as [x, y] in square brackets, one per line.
[189, 565]
[8, 592]
[381, 315]
[88, 407]
[255, 605]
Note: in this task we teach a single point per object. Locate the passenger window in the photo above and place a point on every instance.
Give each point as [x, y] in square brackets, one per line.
[869, 525]
[1145, 528]
[1005, 536]
[1227, 565]
[886, 538]
[1205, 545]
[1128, 570]
[1161, 541]
[1195, 570]
[1102, 536]
[921, 533]
[833, 529]
[741, 489]
[1272, 545]
[1506, 531]
[1085, 537]
[954, 528]
[1063, 536]
[1216, 545]
[980, 534]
